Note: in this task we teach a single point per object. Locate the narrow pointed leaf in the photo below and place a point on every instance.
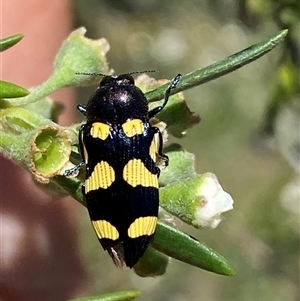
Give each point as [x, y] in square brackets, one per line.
[152, 264]
[118, 296]
[183, 247]
[221, 68]
[72, 186]
[10, 90]
[8, 42]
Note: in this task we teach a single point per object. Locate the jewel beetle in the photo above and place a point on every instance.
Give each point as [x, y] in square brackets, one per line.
[120, 150]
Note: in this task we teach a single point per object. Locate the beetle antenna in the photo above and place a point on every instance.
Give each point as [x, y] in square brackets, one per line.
[145, 71]
[172, 86]
[93, 74]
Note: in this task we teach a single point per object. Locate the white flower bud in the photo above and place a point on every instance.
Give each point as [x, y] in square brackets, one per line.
[215, 201]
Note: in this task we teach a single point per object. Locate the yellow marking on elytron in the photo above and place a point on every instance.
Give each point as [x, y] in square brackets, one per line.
[102, 177]
[100, 130]
[135, 173]
[142, 226]
[133, 127]
[104, 229]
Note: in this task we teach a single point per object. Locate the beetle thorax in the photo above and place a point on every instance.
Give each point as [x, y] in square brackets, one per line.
[116, 104]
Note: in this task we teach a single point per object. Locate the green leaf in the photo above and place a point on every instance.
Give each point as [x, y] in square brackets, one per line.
[221, 68]
[72, 186]
[9, 90]
[8, 42]
[152, 264]
[118, 296]
[183, 247]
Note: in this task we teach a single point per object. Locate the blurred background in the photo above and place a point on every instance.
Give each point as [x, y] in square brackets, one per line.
[248, 136]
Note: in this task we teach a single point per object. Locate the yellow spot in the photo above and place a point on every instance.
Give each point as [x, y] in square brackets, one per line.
[133, 127]
[100, 130]
[102, 177]
[135, 173]
[142, 226]
[104, 229]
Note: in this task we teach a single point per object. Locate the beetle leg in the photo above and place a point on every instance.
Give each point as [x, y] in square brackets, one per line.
[83, 190]
[82, 109]
[161, 155]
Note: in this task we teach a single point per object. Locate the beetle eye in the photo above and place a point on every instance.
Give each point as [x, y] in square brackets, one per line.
[106, 80]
